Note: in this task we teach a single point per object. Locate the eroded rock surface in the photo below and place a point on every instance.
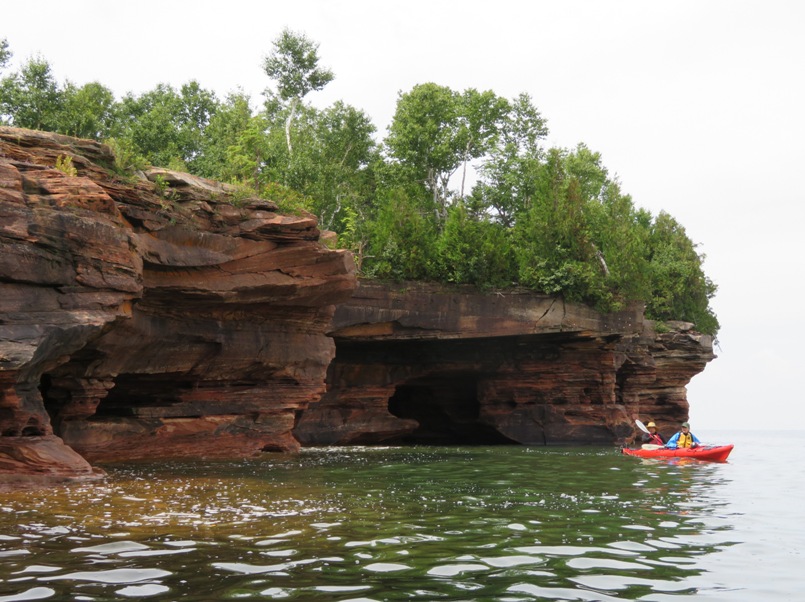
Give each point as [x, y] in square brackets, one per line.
[156, 315]
[431, 365]
[151, 316]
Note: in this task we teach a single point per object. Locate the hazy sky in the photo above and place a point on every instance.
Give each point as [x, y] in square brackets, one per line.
[698, 106]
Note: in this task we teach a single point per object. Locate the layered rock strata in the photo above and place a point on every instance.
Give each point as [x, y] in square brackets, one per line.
[162, 315]
[426, 364]
[151, 315]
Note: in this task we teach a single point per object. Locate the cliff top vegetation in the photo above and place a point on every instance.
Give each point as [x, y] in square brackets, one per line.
[461, 189]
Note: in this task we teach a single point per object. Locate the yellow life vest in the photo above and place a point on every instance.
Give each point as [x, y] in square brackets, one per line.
[685, 440]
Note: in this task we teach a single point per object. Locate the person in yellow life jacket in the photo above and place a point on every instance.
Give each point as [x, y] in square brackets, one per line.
[653, 437]
[684, 438]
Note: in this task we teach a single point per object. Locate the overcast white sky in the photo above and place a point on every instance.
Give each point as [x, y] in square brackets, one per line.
[698, 106]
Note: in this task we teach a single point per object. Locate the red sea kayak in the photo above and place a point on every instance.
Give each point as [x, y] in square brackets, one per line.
[710, 453]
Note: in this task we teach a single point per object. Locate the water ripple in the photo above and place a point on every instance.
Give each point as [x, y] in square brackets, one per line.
[452, 570]
[111, 576]
[505, 524]
[117, 547]
[35, 593]
[560, 593]
[386, 567]
[143, 591]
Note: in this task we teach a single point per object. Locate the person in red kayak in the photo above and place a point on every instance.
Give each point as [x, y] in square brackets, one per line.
[684, 438]
[653, 437]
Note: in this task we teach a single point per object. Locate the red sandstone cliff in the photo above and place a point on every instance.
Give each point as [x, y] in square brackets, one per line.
[154, 316]
[420, 363]
[139, 320]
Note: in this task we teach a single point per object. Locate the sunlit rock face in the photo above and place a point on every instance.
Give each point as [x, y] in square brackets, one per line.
[150, 316]
[424, 364]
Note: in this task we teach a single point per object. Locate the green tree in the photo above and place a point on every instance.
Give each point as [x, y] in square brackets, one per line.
[436, 130]
[88, 111]
[230, 143]
[680, 290]
[552, 220]
[294, 65]
[556, 244]
[402, 239]
[617, 233]
[247, 156]
[474, 251]
[509, 176]
[197, 107]
[343, 153]
[331, 162]
[5, 53]
[295, 170]
[166, 125]
[31, 98]
[480, 121]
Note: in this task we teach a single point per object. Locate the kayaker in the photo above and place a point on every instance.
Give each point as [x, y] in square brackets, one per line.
[653, 437]
[684, 438]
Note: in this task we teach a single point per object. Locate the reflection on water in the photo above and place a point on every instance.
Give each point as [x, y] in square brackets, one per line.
[504, 523]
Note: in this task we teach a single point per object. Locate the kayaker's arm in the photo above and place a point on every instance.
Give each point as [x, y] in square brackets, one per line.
[672, 442]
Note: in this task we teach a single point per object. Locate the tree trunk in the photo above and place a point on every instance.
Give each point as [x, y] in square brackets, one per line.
[602, 261]
[464, 172]
[288, 121]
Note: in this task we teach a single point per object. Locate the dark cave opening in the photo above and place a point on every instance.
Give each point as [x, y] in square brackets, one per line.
[54, 398]
[134, 393]
[447, 409]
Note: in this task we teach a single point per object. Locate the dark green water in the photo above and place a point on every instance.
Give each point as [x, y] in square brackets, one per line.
[497, 523]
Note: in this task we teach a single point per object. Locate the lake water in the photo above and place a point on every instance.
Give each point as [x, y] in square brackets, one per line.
[454, 523]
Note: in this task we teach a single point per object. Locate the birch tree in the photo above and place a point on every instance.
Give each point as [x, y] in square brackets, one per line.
[294, 65]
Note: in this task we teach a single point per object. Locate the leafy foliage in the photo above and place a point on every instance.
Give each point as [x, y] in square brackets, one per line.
[167, 125]
[88, 111]
[473, 251]
[31, 98]
[5, 53]
[127, 157]
[294, 65]
[549, 219]
[65, 165]
[402, 239]
[229, 146]
[679, 288]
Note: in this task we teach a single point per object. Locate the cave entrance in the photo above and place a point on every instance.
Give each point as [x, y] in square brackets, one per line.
[447, 409]
[54, 399]
[144, 394]
[139, 395]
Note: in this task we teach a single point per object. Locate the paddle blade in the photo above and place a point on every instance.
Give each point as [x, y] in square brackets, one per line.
[641, 426]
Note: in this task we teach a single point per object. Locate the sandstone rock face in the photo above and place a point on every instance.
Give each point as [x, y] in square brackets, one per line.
[151, 316]
[429, 365]
[158, 315]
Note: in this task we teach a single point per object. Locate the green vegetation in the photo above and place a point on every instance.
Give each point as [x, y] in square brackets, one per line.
[65, 165]
[548, 219]
[5, 53]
